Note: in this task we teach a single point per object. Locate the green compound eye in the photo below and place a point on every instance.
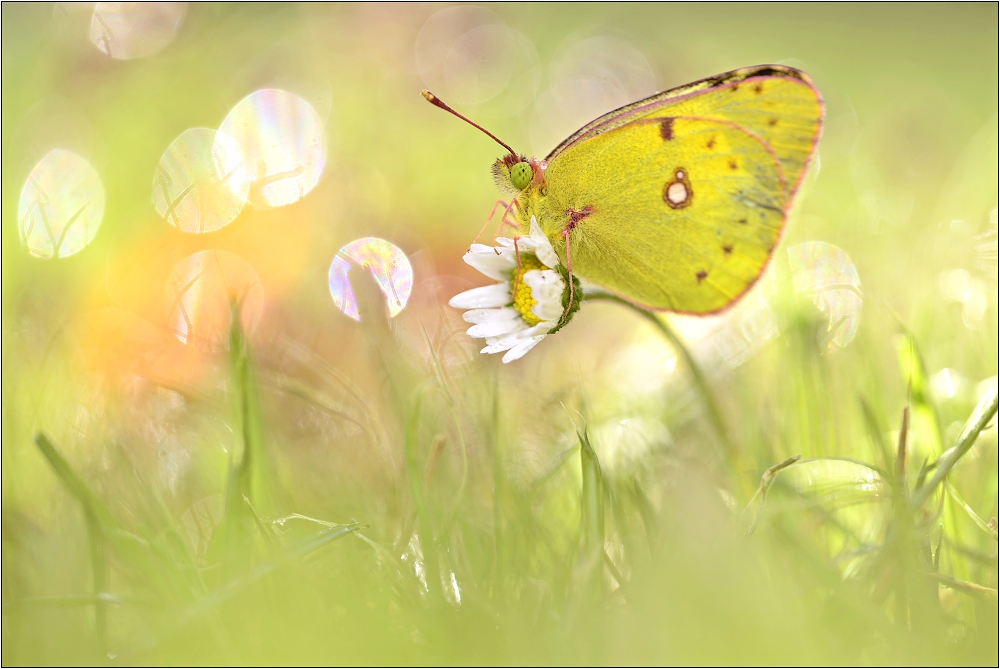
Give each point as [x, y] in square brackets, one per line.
[520, 175]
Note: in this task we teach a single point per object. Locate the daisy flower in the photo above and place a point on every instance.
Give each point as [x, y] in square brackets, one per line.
[529, 302]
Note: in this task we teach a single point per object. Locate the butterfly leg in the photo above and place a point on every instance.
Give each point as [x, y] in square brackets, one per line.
[504, 220]
[575, 216]
[506, 212]
[490, 218]
[517, 274]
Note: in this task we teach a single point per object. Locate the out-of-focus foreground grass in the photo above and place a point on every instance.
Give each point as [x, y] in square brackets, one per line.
[307, 488]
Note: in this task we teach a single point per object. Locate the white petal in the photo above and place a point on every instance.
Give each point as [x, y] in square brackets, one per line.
[547, 288]
[543, 248]
[497, 328]
[489, 315]
[498, 345]
[494, 264]
[524, 243]
[518, 351]
[484, 297]
[519, 343]
[534, 242]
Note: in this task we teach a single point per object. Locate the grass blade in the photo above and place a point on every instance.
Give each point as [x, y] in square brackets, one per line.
[983, 525]
[981, 416]
[592, 496]
[98, 518]
[766, 479]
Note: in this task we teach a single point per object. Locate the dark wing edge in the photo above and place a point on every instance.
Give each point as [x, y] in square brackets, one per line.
[620, 116]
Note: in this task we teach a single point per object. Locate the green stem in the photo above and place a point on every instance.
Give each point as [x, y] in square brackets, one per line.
[443, 387]
[715, 416]
[428, 542]
[494, 441]
[97, 518]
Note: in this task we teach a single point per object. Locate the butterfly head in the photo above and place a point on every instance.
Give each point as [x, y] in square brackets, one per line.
[513, 174]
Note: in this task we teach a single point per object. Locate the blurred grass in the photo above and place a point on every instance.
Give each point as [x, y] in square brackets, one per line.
[377, 493]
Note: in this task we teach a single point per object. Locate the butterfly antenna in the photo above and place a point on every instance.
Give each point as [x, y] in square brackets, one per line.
[436, 101]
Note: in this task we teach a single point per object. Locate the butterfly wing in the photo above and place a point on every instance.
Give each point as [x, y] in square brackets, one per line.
[677, 202]
[776, 103]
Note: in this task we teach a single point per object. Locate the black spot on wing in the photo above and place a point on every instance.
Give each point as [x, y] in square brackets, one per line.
[667, 129]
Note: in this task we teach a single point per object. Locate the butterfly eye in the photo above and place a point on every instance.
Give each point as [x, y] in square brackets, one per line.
[520, 175]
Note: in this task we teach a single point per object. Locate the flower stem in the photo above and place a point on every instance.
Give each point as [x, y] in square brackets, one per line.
[714, 415]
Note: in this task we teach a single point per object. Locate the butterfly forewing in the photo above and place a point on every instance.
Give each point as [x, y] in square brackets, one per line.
[776, 103]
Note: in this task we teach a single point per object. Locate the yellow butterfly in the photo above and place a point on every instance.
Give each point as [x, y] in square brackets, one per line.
[674, 202]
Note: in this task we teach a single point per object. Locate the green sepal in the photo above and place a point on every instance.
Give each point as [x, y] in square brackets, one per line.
[577, 299]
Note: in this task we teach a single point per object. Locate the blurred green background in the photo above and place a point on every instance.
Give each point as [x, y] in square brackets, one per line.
[307, 488]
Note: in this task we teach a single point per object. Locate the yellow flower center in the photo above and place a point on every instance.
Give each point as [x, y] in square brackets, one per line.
[523, 301]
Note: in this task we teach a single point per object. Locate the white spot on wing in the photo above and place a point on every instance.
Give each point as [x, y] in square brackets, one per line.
[677, 192]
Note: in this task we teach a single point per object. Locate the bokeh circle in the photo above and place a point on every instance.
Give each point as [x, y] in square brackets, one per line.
[387, 264]
[61, 206]
[126, 30]
[283, 143]
[201, 182]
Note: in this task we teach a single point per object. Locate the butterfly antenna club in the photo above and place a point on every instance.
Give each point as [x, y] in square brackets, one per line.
[436, 101]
